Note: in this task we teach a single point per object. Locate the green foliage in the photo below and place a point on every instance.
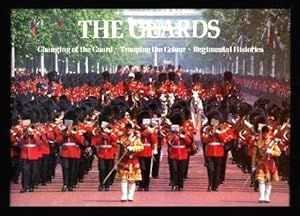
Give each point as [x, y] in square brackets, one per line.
[251, 23]
[59, 27]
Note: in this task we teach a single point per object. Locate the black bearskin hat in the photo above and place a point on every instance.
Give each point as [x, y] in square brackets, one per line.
[162, 77]
[215, 114]
[52, 76]
[176, 117]
[172, 76]
[196, 78]
[106, 75]
[284, 115]
[245, 108]
[257, 116]
[143, 113]
[138, 76]
[72, 115]
[227, 76]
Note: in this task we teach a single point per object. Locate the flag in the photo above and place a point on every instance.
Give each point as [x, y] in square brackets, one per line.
[277, 44]
[58, 23]
[265, 37]
[34, 29]
[241, 40]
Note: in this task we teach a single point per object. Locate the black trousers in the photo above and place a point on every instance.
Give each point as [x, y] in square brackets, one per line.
[186, 169]
[15, 168]
[283, 168]
[213, 171]
[45, 171]
[54, 150]
[227, 148]
[37, 179]
[177, 174]
[243, 157]
[156, 163]
[86, 159]
[170, 169]
[68, 168]
[205, 158]
[235, 152]
[145, 163]
[104, 167]
[29, 172]
[90, 162]
[81, 168]
[76, 170]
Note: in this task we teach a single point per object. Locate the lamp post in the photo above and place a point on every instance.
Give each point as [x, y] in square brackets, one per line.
[42, 64]
[27, 62]
[86, 64]
[13, 60]
[60, 64]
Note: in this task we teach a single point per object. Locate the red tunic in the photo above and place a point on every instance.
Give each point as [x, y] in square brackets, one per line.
[178, 147]
[106, 144]
[30, 150]
[71, 149]
[227, 133]
[149, 141]
[213, 145]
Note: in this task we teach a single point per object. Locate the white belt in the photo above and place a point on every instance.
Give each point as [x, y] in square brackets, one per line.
[178, 146]
[69, 144]
[214, 143]
[105, 146]
[29, 145]
[147, 144]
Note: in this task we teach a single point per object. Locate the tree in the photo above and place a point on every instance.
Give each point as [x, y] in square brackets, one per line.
[31, 28]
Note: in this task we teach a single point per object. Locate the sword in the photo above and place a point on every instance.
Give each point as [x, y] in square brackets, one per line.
[114, 168]
[245, 182]
[151, 166]
[252, 173]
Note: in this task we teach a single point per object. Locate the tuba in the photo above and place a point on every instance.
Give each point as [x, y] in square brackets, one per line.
[245, 131]
[284, 136]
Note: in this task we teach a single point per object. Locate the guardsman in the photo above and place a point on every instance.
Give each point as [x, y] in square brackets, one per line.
[214, 149]
[150, 140]
[69, 153]
[228, 137]
[284, 136]
[15, 137]
[189, 130]
[29, 157]
[178, 144]
[45, 150]
[106, 147]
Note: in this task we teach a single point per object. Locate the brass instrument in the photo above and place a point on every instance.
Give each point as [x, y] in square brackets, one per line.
[245, 129]
[206, 129]
[286, 134]
[173, 139]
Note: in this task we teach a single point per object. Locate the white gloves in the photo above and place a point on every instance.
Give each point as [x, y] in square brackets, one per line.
[253, 169]
[269, 151]
[130, 148]
[182, 136]
[115, 167]
[155, 152]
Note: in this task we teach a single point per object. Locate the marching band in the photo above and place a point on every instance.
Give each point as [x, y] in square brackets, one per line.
[127, 123]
